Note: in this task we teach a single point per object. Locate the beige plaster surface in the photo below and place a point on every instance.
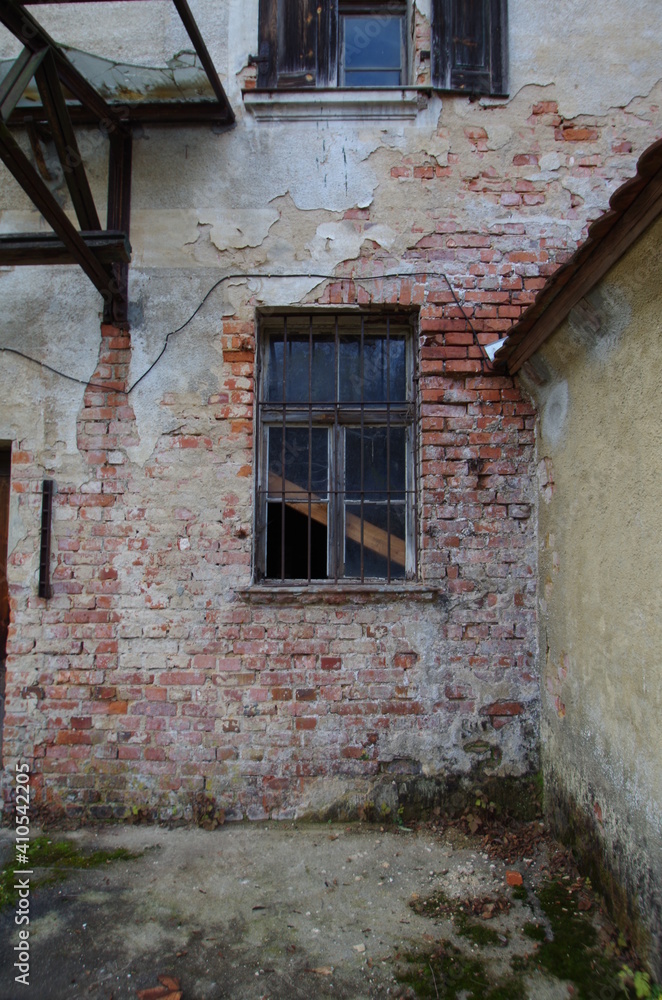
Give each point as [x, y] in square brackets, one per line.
[600, 448]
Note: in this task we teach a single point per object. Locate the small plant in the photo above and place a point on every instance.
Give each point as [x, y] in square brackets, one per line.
[640, 982]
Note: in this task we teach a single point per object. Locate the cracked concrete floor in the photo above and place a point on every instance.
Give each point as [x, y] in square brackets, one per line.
[250, 912]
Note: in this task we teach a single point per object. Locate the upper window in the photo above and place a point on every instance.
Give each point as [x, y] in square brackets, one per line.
[349, 43]
[335, 492]
[372, 45]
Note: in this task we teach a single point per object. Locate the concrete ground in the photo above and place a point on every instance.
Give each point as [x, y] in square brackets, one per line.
[256, 911]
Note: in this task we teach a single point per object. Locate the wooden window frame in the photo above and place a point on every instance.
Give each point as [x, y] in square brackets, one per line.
[337, 418]
[296, 51]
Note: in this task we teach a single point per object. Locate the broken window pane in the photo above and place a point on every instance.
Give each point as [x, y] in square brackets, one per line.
[379, 377]
[306, 466]
[377, 530]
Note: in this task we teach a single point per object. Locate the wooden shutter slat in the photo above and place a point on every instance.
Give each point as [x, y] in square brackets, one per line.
[267, 73]
[469, 45]
[297, 43]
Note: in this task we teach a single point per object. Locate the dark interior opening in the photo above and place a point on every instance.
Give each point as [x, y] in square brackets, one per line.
[294, 542]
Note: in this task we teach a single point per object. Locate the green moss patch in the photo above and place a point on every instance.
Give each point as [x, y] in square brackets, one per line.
[573, 953]
[448, 974]
[55, 858]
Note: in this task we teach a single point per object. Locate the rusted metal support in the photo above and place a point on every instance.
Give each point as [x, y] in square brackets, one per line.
[45, 589]
[66, 145]
[32, 249]
[17, 79]
[17, 162]
[193, 32]
[119, 217]
[28, 31]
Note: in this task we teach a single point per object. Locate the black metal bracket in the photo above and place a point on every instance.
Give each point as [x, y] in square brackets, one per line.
[45, 589]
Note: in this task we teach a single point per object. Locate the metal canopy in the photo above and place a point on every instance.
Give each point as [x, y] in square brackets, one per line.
[67, 99]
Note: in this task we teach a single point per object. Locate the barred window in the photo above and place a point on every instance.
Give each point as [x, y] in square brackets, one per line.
[335, 485]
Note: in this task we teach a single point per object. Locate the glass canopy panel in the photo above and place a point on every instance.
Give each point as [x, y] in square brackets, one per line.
[182, 80]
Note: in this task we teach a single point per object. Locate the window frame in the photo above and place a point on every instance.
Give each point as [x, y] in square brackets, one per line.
[337, 417]
[357, 8]
[300, 45]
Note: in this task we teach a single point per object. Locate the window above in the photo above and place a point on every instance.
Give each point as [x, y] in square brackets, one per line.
[354, 44]
[335, 497]
[372, 45]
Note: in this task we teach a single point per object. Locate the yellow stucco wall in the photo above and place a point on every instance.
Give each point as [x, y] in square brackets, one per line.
[600, 522]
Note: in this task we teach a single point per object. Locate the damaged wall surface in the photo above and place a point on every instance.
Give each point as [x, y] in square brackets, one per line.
[600, 558]
[159, 672]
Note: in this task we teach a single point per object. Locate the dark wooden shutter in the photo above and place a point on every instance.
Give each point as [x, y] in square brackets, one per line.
[470, 46]
[297, 43]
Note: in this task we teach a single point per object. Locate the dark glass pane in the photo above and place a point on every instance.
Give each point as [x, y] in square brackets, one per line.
[298, 370]
[377, 456]
[375, 373]
[291, 538]
[376, 521]
[304, 464]
[324, 370]
[373, 42]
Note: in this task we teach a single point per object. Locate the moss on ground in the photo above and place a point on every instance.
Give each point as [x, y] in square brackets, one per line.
[449, 974]
[55, 858]
[567, 949]
[573, 953]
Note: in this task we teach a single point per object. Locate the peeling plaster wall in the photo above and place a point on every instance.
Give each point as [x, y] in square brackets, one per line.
[600, 589]
[150, 677]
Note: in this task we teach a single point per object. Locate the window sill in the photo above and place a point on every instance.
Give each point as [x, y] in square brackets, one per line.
[399, 103]
[338, 593]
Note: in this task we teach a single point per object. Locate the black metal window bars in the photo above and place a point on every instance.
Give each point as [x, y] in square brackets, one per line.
[336, 490]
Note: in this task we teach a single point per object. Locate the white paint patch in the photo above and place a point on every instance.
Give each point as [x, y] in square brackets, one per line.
[239, 228]
[554, 413]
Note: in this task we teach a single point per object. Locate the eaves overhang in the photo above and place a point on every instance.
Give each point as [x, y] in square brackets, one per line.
[632, 208]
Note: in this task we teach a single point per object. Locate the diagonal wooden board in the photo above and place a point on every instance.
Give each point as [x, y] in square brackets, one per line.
[374, 538]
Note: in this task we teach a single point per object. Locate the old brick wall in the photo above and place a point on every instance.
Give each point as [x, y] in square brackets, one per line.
[157, 678]
[154, 675]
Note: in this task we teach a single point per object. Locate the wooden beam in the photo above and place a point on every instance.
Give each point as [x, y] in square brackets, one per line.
[66, 145]
[13, 86]
[193, 32]
[17, 162]
[24, 26]
[374, 538]
[632, 223]
[21, 249]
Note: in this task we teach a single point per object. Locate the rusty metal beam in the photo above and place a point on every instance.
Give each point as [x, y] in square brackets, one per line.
[66, 145]
[17, 162]
[193, 32]
[198, 43]
[28, 31]
[119, 217]
[17, 79]
[145, 113]
[21, 249]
